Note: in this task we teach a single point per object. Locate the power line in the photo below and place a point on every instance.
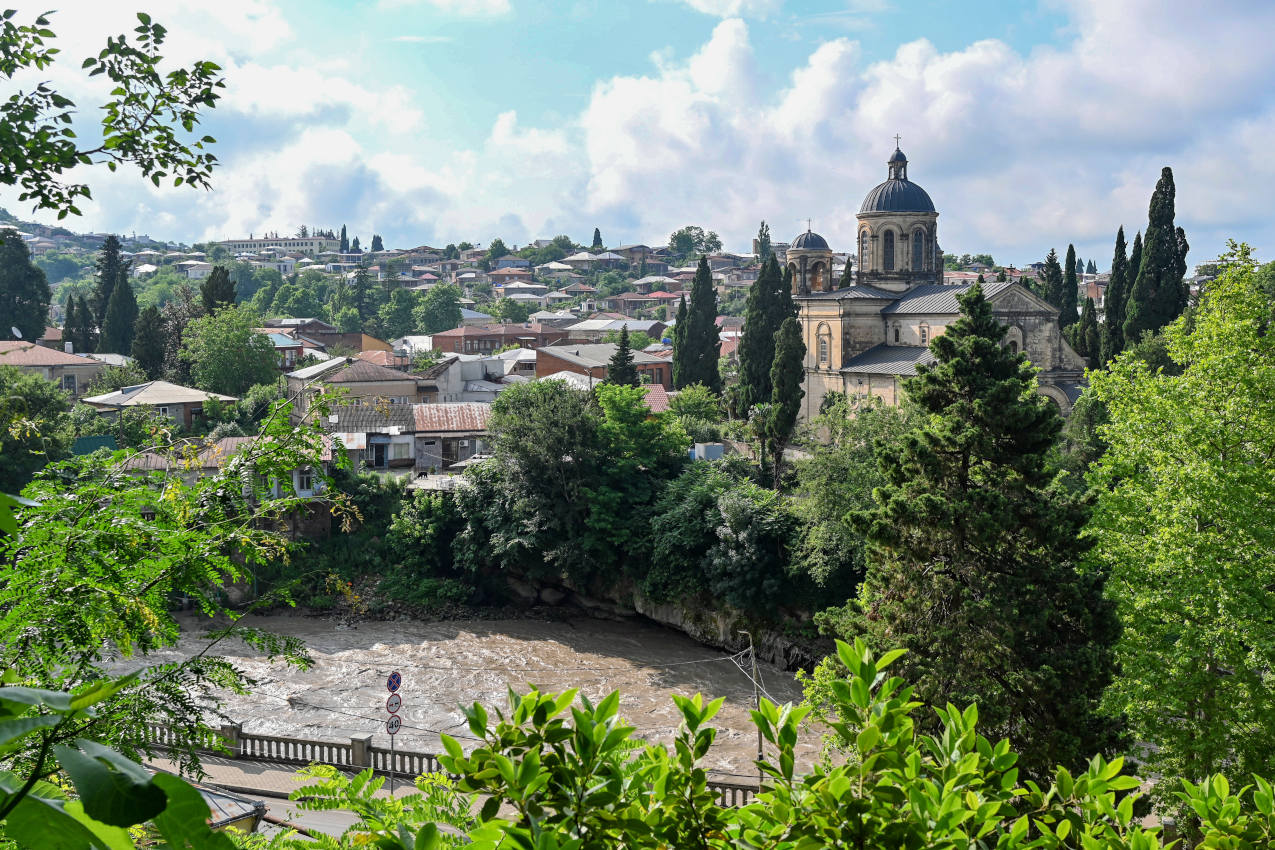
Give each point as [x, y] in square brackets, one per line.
[586, 668]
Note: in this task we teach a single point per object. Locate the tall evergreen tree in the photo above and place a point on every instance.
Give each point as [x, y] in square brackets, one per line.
[1156, 297]
[786, 394]
[217, 290]
[681, 357]
[621, 369]
[354, 246]
[847, 274]
[364, 293]
[757, 346]
[597, 240]
[1135, 263]
[1001, 277]
[764, 249]
[975, 555]
[1091, 267]
[1080, 267]
[121, 317]
[1114, 301]
[111, 268]
[85, 332]
[377, 243]
[700, 343]
[345, 242]
[70, 323]
[1084, 336]
[1068, 296]
[24, 291]
[1052, 280]
[149, 343]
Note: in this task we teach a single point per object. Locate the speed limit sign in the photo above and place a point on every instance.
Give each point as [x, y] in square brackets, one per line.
[393, 724]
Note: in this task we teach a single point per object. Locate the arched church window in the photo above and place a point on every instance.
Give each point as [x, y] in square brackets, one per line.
[863, 250]
[925, 334]
[887, 253]
[918, 242]
[823, 349]
[1013, 346]
[896, 333]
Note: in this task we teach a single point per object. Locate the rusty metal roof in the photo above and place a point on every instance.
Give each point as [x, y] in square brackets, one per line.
[459, 418]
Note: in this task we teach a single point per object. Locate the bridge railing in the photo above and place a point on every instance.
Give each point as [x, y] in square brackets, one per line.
[358, 754]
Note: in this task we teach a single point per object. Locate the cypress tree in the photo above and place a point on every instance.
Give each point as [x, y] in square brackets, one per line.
[1156, 297]
[1114, 301]
[597, 239]
[364, 297]
[1080, 267]
[70, 325]
[980, 278]
[621, 369]
[975, 556]
[847, 275]
[763, 242]
[149, 342]
[85, 336]
[786, 393]
[111, 269]
[1091, 268]
[217, 290]
[757, 346]
[1084, 337]
[1067, 297]
[377, 243]
[1135, 263]
[121, 317]
[681, 357]
[354, 246]
[701, 343]
[1052, 280]
[345, 242]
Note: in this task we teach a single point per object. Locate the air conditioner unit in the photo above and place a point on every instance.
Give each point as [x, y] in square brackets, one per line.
[464, 444]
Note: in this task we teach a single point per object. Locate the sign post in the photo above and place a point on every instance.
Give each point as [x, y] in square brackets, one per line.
[392, 705]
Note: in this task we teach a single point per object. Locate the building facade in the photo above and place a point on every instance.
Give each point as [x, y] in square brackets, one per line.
[865, 339]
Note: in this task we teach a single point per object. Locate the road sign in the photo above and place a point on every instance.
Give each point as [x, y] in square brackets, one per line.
[394, 703]
[394, 681]
[393, 724]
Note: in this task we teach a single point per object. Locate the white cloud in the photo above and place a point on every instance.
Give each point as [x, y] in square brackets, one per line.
[736, 8]
[422, 39]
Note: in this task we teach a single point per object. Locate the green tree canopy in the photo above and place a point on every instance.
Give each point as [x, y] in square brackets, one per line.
[149, 343]
[597, 240]
[1184, 522]
[226, 355]
[1052, 281]
[621, 370]
[24, 292]
[121, 319]
[976, 556]
[377, 243]
[36, 430]
[696, 341]
[1158, 294]
[1068, 295]
[786, 374]
[763, 242]
[440, 309]
[398, 315]
[768, 306]
[217, 290]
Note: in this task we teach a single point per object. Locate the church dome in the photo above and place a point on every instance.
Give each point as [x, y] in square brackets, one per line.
[810, 242]
[898, 194]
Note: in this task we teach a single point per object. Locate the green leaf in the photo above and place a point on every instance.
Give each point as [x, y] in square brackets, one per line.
[114, 789]
[184, 821]
[428, 838]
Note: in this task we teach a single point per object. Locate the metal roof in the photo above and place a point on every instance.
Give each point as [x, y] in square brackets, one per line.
[897, 195]
[810, 242]
[939, 298]
[371, 419]
[890, 360]
[155, 392]
[459, 418]
[595, 354]
[867, 292]
[19, 353]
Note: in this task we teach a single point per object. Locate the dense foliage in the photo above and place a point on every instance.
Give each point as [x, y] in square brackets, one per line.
[24, 292]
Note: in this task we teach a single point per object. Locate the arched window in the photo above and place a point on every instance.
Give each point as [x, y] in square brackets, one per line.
[925, 334]
[1013, 346]
[823, 349]
[918, 242]
[863, 250]
[887, 253]
[896, 333]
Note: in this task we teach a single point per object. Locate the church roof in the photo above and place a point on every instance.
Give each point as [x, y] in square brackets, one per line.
[856, 292]
[890, 360]
[939, 298]
[897, 195]
[810, 242]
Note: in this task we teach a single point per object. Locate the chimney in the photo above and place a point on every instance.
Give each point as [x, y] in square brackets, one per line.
[68, 347]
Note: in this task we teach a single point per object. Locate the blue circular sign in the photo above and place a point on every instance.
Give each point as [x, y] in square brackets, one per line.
[394, 681]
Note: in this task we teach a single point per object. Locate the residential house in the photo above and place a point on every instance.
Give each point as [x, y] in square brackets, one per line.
[350, 381]
[449, 433]
[485, 339]
[595, 330]
[183, 405]
[410, 439]
[71, 372]
[510, 261]
[559, 319]
[628, 303]
[500, 277]
[288, 349]
[654, 282]
[51, 338]
[592, 360]
[388, 359]
[473, 318]
[634, 254]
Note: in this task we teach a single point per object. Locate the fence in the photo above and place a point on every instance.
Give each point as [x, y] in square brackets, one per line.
[358, 754]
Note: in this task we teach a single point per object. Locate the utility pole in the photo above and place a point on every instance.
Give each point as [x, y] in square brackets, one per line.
[752, 655]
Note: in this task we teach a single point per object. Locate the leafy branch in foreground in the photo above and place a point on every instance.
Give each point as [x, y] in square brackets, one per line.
[141, 124]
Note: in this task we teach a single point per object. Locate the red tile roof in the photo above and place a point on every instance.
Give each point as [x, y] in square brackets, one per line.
[19, 353]
[384, 358]
[500, 330]
[656, 398]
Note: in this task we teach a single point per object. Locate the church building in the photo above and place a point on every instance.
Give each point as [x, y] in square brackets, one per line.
[866, 338]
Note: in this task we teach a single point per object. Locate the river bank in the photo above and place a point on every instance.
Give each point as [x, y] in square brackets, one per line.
[448, 662]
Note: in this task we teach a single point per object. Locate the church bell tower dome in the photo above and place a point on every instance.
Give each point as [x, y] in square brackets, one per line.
[898, 233]
[809, 261]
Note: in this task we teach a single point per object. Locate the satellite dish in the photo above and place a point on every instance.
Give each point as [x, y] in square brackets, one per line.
[17, 334]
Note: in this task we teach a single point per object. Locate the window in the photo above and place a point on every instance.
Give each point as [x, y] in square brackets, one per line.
[918, 241]
[896, 333]
[398, 451]
[863, 250]
[1013, 346]
[163, 411]
[305, 479]
[887, 253]
[823, 349]
[68, 383]
[925, 334]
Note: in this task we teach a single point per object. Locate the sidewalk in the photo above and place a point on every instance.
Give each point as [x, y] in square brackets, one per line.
[261, 779]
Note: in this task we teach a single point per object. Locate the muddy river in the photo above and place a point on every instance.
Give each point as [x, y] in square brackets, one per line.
[444, 664]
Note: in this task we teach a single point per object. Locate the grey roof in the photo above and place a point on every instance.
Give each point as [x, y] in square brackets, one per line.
[810, 242]
[897, 195]
[856, 291]
[371, 419]
[897, 156]
[596, 354]
[890, 360]
[939, 298]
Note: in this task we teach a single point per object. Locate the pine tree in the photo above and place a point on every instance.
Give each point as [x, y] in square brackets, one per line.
[681, 356]
[85, 332]
[149, 342]
[217, 290]
[786, 373]
[345, 242]
[1091, 268]
[621, 369]
[763, 242]
[1080, 268]
[121, 317]
[757, 346]
[698, 338]
[1068, 295]
[597, 240]
[377, 243]
[111, 269]
[1156, 297]
[1052, 280]
[975, 555]
[1114, 301]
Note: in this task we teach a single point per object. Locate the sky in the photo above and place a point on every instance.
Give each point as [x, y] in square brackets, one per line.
[1031, 125]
